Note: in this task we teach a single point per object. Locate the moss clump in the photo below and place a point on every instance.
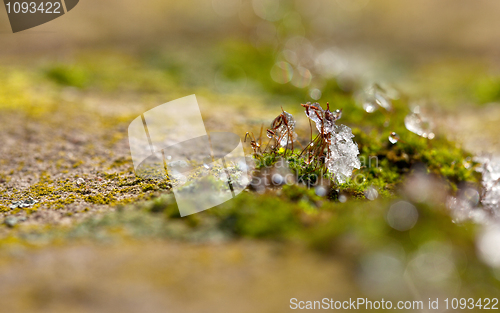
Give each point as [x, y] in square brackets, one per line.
[41, 189]
[69, 187]
[125, 182]
[68, 75]
[148, 187]
[101, 199]
[383, 165]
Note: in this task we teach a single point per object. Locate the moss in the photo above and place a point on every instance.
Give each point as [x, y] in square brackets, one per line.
[41, 189]
[76, 164]
[69, 187]
[111, 176]
[68, 199]
[384, 165]
[120, 162]
[32, 209]
[68, 75]
[148, 187]
[293, 215]
[126, 182]
[101, 199]
[126, 190]
[487, 89]
[164, 185]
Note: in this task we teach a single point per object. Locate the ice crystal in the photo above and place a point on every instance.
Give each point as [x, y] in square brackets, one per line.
[283, 129]
[491, 184]
[341, 151]
[342, 157]
[324, 119]
[482, 208]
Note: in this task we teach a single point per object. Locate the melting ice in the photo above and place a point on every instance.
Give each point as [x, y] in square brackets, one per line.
[342, 153]
[284, 129]
[418, 124]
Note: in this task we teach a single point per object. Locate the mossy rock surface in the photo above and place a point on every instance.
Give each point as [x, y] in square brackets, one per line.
[65, 144]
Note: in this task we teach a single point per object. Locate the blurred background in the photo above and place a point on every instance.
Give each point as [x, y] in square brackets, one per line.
[444, 51]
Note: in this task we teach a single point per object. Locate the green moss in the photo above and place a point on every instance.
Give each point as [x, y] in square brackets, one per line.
[384, 165]
[263, 217]
[487, 89]
[68, 75]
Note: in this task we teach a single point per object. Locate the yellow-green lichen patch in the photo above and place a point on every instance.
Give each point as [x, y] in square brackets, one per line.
[101, 199]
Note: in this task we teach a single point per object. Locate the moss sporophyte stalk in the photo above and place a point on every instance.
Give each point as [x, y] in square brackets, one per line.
[332, 151]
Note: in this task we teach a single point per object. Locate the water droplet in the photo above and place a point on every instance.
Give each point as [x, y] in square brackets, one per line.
[393, 138]
[369, 106]
[419, 125]
[337, 114]
[383, 101]
[80, 181]
[375, 97]
[342, 198]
